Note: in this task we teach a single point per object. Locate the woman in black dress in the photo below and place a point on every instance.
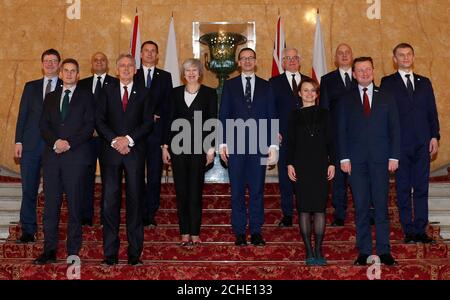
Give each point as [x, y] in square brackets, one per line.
[310, 163]
[190, 155]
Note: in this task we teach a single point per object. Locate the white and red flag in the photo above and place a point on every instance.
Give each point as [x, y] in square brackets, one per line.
[319, 65]
[135, 41]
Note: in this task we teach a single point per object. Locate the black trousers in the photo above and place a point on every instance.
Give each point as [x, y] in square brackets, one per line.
[189, 177]
[112, 190]
[61, 177]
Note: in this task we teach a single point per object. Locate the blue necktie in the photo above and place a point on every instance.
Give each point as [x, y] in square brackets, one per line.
[65, 105]
[149, 79]
[248, 90]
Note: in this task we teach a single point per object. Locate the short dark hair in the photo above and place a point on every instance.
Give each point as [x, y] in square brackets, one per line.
[51, 51]
[150, 43]
[71, 61]
[361, 59]
[311, 81]
[402, 46]
[246, 49]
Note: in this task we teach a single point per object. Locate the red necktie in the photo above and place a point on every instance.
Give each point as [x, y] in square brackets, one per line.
[366, 103]
[125, 98]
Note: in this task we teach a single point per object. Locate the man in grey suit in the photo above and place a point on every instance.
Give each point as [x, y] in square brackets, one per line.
[29, 143]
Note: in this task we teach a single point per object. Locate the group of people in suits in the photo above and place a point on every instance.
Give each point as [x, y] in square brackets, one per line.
[345, 130]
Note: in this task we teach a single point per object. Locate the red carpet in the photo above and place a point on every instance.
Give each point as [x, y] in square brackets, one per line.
[217, 257]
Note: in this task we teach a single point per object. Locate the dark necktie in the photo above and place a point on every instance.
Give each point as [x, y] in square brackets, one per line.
[65, 105]
[409, 85]
[348, 82]
[48, 87]
[366, 103]
[149, 79]
[98, 86]
[294, 85]
[125, 98]
[248, 90]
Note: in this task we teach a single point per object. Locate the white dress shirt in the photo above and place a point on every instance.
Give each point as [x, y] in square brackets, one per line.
[53, 84]
[403, 73]
[252, 82]
[342, 73]
[298, 77]
[146, 70]
[94, 82]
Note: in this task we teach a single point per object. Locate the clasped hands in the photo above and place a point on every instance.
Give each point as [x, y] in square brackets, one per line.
[61, 146]
[121, 143]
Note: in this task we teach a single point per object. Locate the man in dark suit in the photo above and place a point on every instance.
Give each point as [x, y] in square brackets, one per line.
[284, 87]
[369, 148]
[159, 83]
[67, 124]
[124, 118]
[419, 135]
[249, 99]
[29, 143]
[332, 86]
[95, 85]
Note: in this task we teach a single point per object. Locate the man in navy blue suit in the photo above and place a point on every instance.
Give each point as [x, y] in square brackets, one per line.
[29, 143]
[284, 87]
[124, 118]
[249, 99]
[159, 83]
[67, 124]
[419, 142]
[94, 84]
[369, 148]
[332, 86]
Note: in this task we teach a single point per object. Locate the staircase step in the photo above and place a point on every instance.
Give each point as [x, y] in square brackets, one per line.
[440, 216]
[219, 216]
[407, 270]
[171, 233]
[229, 252]
[10, 204]
[439, 189]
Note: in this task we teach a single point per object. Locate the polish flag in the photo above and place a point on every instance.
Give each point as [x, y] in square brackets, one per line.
[279, 45]
[319, 65]
[171, 61]
[135, 41]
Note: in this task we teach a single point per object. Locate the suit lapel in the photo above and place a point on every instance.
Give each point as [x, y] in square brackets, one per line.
[338, 77]
[132, 96]
[375, 99]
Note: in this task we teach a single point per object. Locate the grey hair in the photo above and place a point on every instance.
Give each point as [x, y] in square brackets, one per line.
[126, 55]
[192, 62]
[289, 49]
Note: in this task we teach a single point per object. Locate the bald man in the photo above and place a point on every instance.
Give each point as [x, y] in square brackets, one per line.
[332, 86]
[95, 84]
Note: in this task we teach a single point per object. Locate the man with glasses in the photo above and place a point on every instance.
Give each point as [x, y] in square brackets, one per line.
[247, 98]
[29, 143]
[284, 87]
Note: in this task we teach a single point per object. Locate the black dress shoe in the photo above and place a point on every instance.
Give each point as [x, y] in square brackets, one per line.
[150, 221]
[388, 260]
[257, 240]
[135, 261]
[110, 261]
[337, 222]
[409, 239]
[26, 238]
[46, 258]
[241, 240]
[285, 222]
[86, 222]
[361, 260]
[424, 238]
